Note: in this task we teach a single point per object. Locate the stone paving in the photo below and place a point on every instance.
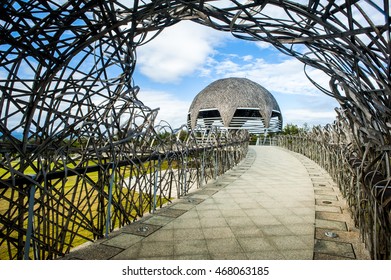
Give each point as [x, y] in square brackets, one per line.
[336, 237]
[275, 205]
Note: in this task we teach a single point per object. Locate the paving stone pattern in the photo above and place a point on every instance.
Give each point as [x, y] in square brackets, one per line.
[336, 237]
[274, 205]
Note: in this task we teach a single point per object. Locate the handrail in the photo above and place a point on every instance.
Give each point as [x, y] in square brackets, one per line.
[44, 215]
[363, 180]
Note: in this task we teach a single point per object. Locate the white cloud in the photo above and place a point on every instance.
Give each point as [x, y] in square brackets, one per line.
[247, 58]
[263, 45]
[178, 51]
[286, 77]
[172, 110]
[227, 66]
[311, 117]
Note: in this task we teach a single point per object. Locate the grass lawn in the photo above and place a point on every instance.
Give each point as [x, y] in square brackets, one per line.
[69, 210]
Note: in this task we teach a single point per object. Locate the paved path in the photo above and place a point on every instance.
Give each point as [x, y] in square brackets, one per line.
[274, 205]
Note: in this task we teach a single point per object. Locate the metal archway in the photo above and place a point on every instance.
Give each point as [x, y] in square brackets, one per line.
[68, 98]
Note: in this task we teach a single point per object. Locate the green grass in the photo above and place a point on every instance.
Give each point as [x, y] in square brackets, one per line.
[78, 189]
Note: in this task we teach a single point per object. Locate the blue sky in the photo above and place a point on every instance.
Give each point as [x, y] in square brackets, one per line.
[174, 67]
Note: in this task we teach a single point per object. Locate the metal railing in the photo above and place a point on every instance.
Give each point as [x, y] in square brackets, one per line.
[363, 179]
[45, 216]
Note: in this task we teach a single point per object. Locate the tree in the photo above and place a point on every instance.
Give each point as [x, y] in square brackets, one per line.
[290, 129]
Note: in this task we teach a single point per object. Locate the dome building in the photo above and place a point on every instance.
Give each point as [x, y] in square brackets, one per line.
[235, 103]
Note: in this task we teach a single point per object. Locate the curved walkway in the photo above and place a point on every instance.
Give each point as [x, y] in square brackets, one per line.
[265, 208]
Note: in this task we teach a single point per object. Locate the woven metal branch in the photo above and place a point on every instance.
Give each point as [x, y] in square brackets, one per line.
[69, 104]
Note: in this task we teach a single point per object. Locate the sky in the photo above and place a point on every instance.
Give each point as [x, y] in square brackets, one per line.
[185, 58]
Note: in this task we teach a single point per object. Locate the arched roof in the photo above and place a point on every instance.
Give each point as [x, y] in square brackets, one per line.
[226, 95]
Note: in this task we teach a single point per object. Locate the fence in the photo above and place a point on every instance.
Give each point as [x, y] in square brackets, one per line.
[363, 178]
[45, 216]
